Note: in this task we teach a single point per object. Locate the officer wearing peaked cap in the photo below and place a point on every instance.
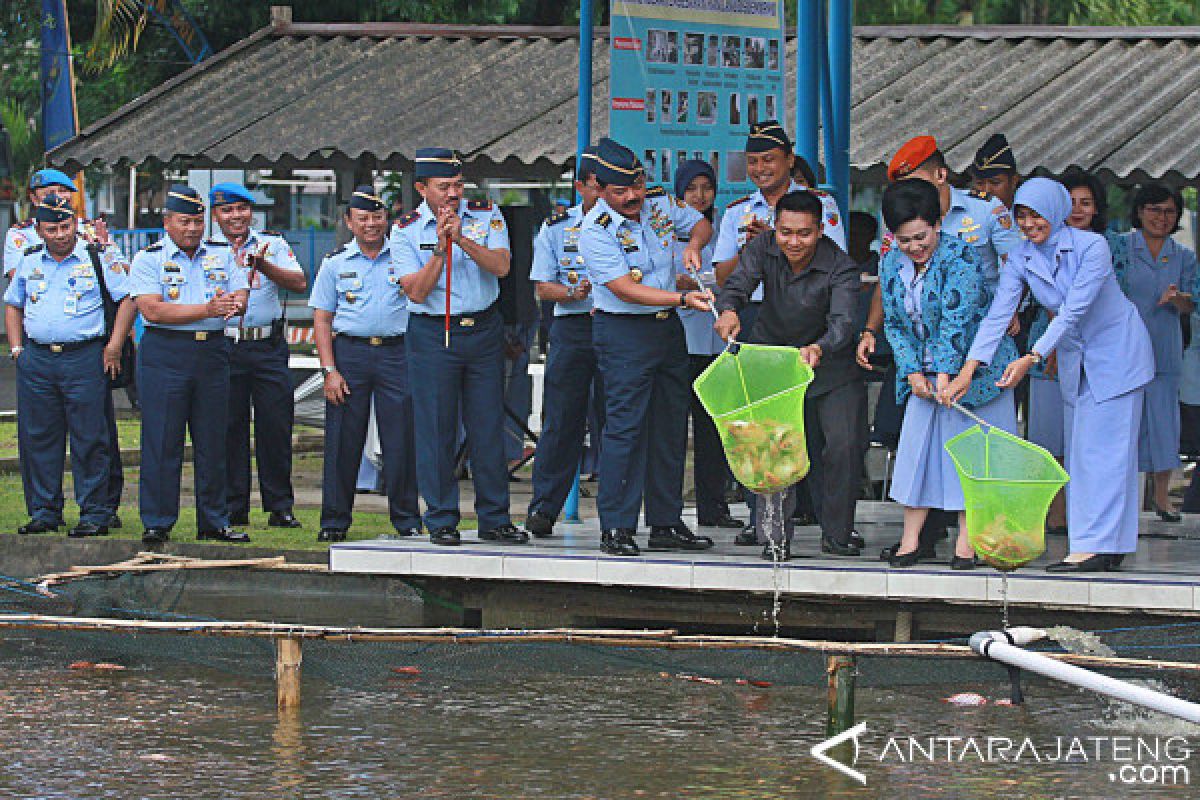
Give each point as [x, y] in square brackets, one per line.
[187, 290]
[628, 243]
[258, 361]
[42, 183]
[994, 170]
[55, 324]
[360, 316]
[562, 277]
[462, 371]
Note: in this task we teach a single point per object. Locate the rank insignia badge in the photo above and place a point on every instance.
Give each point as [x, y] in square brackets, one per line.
[636, 274]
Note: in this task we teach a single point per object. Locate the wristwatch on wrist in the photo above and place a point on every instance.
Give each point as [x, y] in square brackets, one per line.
[683, 299]
[16, 351]
[439, 252]
[326, 371]
[1036, 356]
[570, 292]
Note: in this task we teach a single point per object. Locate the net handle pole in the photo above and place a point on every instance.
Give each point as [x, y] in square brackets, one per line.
[978, 420]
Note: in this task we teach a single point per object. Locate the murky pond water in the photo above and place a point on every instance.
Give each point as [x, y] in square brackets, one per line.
[168, 729]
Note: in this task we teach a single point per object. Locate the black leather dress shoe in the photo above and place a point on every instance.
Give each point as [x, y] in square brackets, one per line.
[960, 563]
[230, 535]
[619, 542]
[857, 540]
[676, 537]
[114, 521]
[86, 529]
[539, 524]
[836, 548]
[447, 537]
[925, 552]
[505, 534]
[281, 519]
[239, 519]
[1096, 563]
[1115, 560]
[726, 520]
[156, 535]
[747, 538]
[37, 526]
[331, 535]
[777, 552]
[1167, 516]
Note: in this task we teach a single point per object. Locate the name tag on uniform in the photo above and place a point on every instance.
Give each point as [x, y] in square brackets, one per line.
[429, 246]
[344, 275]
[71, 303]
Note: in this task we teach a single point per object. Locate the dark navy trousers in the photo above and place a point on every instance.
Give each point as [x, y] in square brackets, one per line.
[643, 360]
[184, 386]
[116, 471]
[570, 372]
[259, 379]
[468, 379]
[61, 394]
[709, 467]
[379, 374]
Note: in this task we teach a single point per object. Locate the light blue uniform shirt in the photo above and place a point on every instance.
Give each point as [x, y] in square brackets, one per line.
[613, 246]
[263, 306]
[735, 222]
[702, 340]
[24, 235]
[985, 223]
[363, 294]
[61, 300]
[556, 258]
[165, 270]
[472, 288]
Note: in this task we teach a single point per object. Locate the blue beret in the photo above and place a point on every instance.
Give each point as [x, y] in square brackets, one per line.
[54, 208]
[615, 164]
[766, 136]
[364, 197]
[225, 193]
[994, 158]
[184, 200]
[437, 162]
[51, 177]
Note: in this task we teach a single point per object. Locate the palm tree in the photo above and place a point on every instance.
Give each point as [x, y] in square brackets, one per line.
[25, 146]
[119, 26]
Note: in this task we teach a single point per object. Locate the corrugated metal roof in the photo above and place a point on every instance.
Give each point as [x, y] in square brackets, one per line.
[1113, 100]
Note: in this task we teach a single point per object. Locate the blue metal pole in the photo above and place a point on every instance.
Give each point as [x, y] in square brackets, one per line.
[841, 43]
[828, 132]
[808, 79]
[583, 124]
[571, 506]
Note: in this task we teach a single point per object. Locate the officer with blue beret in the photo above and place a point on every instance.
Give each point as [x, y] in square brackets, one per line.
[187, 290]
[54, 319]
[360, 317]
[258, 361]
[562, 278]
[24, 235]
[461, 370]
[628, 244]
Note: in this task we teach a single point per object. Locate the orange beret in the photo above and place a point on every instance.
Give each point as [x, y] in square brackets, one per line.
[911, 155]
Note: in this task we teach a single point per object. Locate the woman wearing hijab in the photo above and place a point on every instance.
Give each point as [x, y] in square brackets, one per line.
[1158, 279]
[934, 295]
[1104, 362]
[696, 186]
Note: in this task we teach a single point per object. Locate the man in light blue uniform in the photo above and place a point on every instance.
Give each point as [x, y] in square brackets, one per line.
[360, 316]
[24, 235]
[627, 243]
[258, 361]
[562, 278]
[187, 290]
[461, 370]
[54, 319]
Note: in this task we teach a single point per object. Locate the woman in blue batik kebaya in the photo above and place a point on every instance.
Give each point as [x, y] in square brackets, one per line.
[1104, 361]
[934, 297]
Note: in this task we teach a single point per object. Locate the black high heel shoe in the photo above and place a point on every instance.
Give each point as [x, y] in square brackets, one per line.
[902, 560]
[1096, 563]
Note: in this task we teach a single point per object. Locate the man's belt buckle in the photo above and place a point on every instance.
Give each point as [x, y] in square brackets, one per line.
[201, 336]
[375, 341]
[56, 348]
[662, 315]
[467, 322]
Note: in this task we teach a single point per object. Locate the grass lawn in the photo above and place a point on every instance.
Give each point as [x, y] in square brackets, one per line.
[367, 524]
[128, 433]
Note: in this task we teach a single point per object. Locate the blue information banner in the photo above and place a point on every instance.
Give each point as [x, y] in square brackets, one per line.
[688, 79]
[58, 94]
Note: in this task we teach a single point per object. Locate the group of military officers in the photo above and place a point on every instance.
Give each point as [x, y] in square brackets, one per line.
[406, 327]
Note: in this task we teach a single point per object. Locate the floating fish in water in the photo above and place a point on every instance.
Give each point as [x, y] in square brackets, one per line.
[101, 665]
[966, 699]
[406, 670]
[748, 682]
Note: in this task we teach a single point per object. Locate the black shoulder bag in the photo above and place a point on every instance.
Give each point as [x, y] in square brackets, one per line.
[125, 376]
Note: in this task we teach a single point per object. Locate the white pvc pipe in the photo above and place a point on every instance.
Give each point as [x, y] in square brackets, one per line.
[1001, 646]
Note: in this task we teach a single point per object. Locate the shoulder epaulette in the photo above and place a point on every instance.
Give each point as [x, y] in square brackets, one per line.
[33, 248]
[407, 219]
[216, 243]
[340, 250]
[154, 248]
[24, 224]
[819, 192]
[554, 219]
[271, 233]
[739, 201]
[479, 205]
[656, 191]
[603, 219]
[979, 195]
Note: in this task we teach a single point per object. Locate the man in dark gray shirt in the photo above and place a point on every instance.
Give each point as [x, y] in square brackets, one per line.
[810, 299]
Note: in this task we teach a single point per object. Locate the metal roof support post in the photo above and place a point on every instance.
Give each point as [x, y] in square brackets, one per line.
[808, 79]
[828, 134]
[841, 41]
[583, 124]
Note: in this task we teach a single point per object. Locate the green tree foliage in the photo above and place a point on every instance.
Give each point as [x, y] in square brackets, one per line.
[1027, 12]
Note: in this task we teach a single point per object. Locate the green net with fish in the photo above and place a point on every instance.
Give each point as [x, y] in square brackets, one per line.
[755, 395]
[1008, 484]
